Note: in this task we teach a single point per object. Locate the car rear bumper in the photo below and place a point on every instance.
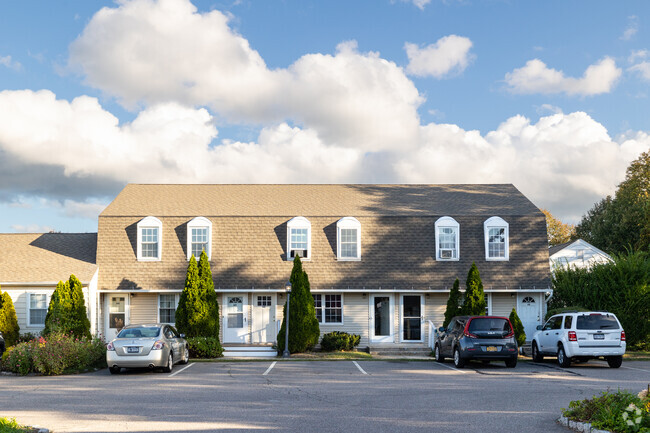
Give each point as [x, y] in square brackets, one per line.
[573, 350]
[155, 358]
[502, 355]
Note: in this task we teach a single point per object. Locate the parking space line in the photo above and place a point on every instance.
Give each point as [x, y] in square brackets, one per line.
[359, 367]
[637, 369]
[269, 369]
[182, 369]
[450, 367]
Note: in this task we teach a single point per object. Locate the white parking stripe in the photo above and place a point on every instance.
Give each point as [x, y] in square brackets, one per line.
[182, 369]
[359, 367]
[269, 369]
[637, 369]
[449, 366]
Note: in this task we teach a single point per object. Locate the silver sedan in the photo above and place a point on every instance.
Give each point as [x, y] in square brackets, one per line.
[156, 345]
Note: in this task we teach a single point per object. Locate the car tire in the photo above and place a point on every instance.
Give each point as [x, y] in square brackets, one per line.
[537, 357]
[563, 360]
[170, 364]
[458, 361]
[614, 361]
[511, 363]
[186, 356]
[437, 354]
[114, 370]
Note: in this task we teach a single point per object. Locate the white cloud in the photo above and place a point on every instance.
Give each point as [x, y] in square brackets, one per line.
[536, 77]
[638, 54]
[421, 3]
[11, 64]
[631, 29]
[449, 54]
[31, 228]
[642, 68]
[548, 109]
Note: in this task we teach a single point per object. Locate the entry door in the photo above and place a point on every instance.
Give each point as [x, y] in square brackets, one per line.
[381, 318]
[116, 314]
[529, 313]
[412, 318]
[235, 329]
[263, 326]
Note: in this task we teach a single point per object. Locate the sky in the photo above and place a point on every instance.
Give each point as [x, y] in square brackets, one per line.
[549, 96]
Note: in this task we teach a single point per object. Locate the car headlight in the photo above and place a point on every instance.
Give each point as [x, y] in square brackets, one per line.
[110, 346]
[158, 345]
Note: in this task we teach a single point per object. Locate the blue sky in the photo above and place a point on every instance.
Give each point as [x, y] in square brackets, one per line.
[550, 96]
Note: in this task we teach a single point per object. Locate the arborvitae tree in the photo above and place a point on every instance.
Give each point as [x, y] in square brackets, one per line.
[453, 303]
[8, 320]
[520, 334]
[303, 325]
[209, 327]
[56, 309]
[188, 298]
[474, 304]
[67, 310]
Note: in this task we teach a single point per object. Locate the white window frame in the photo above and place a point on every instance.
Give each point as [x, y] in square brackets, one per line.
[348, 223]
[176, 298]
[323, 322]
[28, 308]
[298, 223]
[146, 223]
[447, 222]
[496, 222]
[195, 223]
[488, 304]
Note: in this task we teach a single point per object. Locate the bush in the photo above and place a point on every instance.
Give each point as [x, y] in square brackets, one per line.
[614, 411]
[8, 320]
[24, 338]
[520, 334]
[67, 310]
[474, 303]
[204, 347]
[339, 341]
[11, 426]
[453, 303]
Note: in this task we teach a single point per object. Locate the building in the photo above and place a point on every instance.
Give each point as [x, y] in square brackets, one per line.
[577, 253]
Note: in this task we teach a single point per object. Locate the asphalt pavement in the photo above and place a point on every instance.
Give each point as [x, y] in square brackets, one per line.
[315, 396]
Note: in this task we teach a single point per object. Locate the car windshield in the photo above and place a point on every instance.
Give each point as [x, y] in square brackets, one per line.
[596, 321]
[140, 332]
[488, 324]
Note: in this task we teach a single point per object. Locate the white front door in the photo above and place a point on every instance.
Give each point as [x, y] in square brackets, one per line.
[381, 318]
[529, 313]
[235, 328]
[263, 326]
[116, 314]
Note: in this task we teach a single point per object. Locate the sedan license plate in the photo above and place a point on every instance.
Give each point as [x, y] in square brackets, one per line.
[491, 349]
[132, 349]
[599, 336]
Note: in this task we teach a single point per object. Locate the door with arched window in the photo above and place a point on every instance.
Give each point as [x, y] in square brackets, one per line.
[529, 312]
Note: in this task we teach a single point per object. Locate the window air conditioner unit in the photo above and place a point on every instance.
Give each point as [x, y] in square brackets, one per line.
[446, 254]
[299, 253]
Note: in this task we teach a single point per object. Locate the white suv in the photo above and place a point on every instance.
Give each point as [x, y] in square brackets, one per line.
[580, 336]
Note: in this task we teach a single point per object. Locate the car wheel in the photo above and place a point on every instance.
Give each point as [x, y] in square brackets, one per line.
[614, 361]
[537, 357]
[562, 359]
[458, 361]
[186, 356]
[511, 363]
[437, 354]
[170, 364]
[114, 370]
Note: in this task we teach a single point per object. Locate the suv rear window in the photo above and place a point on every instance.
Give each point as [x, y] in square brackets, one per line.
[596, 321]
[488, 324]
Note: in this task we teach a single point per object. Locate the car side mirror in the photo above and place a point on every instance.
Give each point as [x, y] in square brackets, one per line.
[182, 335]
[441, 329]
[538, 327]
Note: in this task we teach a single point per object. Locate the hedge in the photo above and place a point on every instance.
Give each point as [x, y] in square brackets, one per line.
[339, 341]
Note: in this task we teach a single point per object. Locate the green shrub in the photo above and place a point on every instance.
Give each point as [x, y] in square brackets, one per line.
[8, 320]
[67, 310]
[520, 334]
[339, 341]
[11, 426]
[19, 359]
[204, 347]
[474, 303]
[23, 338]
[555, 311]
[453, 303]
[612, 411]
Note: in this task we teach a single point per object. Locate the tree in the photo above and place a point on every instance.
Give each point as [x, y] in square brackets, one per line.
[210, 323]
[474, 304]
[303, 325]
[520, 334]
[67, 310]
[188, 297]
[453, 303]
[56, 308]
[8, 320]
[557, 231]
[197, 314]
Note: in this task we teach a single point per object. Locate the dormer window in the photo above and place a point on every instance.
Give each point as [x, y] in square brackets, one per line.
[149, 239]
[199, 237]
[447, 239]
[496, 239]
[298, 238]
[348, 239]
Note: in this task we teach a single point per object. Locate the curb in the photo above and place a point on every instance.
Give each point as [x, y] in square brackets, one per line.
[584, 427]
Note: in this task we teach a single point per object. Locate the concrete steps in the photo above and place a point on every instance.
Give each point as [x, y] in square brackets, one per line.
[400, 351]
[248, 351]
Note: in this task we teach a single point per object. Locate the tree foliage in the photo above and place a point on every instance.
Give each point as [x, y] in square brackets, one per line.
[474, 304]
[557, 231]
[518, 327]
[8, 320]
[453, 303]
[66, 312]
[303, 325]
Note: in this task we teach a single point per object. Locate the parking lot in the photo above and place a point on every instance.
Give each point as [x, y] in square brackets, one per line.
[314, 396]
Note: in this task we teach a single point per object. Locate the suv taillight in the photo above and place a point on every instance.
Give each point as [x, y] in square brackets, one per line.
[622, 335]
[466, 332]
[573, 336]
[512, 332]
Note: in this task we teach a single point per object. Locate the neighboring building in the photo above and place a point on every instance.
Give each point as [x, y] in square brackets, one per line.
[31, 265]
[577, 253]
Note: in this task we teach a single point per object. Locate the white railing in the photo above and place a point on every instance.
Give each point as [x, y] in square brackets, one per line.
[432, 334]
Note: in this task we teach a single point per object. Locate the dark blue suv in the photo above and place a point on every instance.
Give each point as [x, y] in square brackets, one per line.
[485, 338]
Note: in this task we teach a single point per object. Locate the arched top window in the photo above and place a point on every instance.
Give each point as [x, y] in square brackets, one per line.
[447, 239]
[496, 231]
[348, 239]
[199, 237]
[298, 238]
[149, 239]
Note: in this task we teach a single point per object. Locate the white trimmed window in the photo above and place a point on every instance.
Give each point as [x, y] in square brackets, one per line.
[37, 309]
[149, 239]
[496, 239]
[447, 239]
[329, 308]
[199, 237]
[348, 239]
[488, 304]
[167, 304]
[298, 238]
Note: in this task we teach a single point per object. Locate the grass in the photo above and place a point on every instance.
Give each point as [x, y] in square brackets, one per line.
[11, 426]
[638, 355]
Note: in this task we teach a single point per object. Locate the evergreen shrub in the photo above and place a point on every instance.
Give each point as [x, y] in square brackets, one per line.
[453, 303]
[8, 320]
[474, 304]
[520, 334]
[197, 314]
[338, 340]
[66, 312]
[204, 347]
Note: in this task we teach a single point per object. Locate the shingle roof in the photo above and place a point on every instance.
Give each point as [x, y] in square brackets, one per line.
[47, 257]
[319, 200]
[555, 248]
